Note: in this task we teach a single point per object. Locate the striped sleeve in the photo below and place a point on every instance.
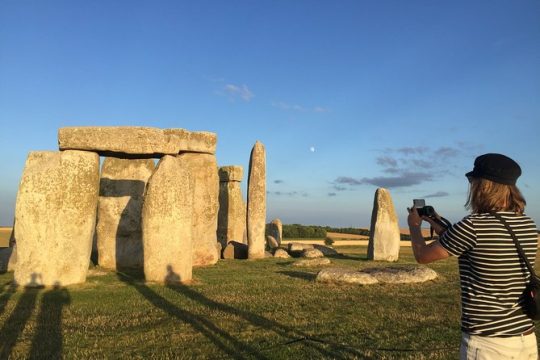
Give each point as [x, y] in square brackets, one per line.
[459, 238]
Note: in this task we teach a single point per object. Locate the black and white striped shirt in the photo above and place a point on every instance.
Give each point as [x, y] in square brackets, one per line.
[492, 276]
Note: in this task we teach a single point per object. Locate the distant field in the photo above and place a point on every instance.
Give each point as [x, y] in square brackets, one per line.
[5, 233]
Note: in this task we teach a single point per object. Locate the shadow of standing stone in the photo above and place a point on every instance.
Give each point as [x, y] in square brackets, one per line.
[121, 196]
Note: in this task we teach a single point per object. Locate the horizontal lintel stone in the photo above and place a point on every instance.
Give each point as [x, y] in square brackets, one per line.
[135, 141]
[231, 173]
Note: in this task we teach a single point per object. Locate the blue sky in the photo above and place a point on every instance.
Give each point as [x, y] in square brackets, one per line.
[345, 95]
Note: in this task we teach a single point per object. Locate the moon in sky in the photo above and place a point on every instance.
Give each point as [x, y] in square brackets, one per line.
[312, 149]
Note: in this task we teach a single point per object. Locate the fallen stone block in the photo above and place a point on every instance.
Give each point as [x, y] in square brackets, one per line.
[345, 276]
[312, 262]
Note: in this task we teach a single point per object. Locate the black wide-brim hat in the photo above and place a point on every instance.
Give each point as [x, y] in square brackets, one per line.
[497, 168]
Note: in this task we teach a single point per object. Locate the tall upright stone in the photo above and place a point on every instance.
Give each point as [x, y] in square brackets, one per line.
[275, 229]
[232, 208]
[204, 176]
[121, 195]
[167, 222]
[55, 217]
[256, 202]
[384, 236]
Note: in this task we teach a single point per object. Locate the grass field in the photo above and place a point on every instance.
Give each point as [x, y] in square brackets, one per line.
[264, 309]
[5, 233]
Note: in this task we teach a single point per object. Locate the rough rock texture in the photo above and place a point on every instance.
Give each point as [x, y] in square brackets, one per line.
[281, 253]
[402, 275]
[256, 202]
[204, 175]
[121, 194]
[312, 253]
[268, 254]
[55, 217]
[231, 173]
[193, 141]
[295, 249]
[275, 229]
[232, 208]
[326, 250]
[384, 237]
[312, 262]
[271, 242]
[219, 249]
[393, 275]
[167, 223]
[347, 276]
[8, 258]
[135, 141]
[235, 250]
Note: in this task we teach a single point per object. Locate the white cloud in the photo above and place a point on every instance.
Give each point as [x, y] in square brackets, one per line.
[239, 91]
[312, 149]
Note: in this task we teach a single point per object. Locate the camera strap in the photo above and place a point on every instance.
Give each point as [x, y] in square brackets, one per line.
[442, 222]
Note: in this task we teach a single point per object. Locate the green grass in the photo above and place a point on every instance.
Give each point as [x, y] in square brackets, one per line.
[263, 309]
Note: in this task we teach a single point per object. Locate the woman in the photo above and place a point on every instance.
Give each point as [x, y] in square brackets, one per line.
[492, 275]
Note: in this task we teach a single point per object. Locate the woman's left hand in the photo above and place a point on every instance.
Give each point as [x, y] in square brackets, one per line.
[414, 220]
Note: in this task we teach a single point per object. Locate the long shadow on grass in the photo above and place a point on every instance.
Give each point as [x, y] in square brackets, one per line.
[47, 340]
[215, 334]
[260, 321]
[14, 325]
[6, 295]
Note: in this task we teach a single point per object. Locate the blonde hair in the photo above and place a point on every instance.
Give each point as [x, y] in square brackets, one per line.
[488, 196]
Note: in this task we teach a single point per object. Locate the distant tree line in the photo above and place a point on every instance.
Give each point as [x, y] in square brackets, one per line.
[297, 231]
[349, 230]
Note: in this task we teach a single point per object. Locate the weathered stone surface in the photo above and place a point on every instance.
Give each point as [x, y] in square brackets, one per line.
[384, 237]
[402, 275]
[295, 249]
[231, 173]
[268, 254]
[219, 249]
[135, 141]
[275, 229]
[271, 242]
[55, 217]
[326, 250]
[119, 225]
[193, 141]
[312, 253]
[347, 276]
[8, 257]
[312, 262]
[256, 202]
[204, 174]
[232, 213]
[281, 253]
[235, 250]
[167, 222]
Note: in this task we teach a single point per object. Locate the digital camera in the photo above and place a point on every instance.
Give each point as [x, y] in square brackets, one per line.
[423, 209]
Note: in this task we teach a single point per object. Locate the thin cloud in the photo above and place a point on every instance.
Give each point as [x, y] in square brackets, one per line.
[278, 181]
[238, 91]
[387, 161]
[403, 180]
[332, 194]
[437, 194]
[299, 108]
[339, 188]
[412, 150]
[446, 152]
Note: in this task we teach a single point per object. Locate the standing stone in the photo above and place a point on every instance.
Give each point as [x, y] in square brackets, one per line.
[55, 217]
[256, 202]
[384, 237]
[235, 250]
[203, 170]
[232, 208]
[121, 195]
[166, 222]
[275, 229]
